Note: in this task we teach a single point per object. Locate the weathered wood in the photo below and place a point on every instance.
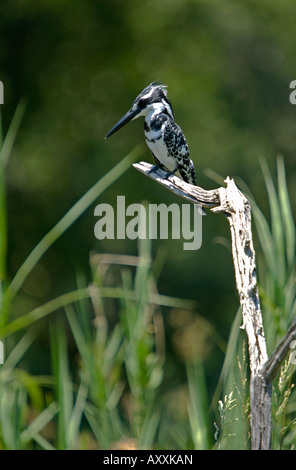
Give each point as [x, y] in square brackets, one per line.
[234, 205]
[230, 201]
[272, 365]
[237, 209]
[194, 194]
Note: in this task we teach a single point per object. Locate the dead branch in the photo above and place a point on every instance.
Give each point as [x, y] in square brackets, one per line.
[231, 202]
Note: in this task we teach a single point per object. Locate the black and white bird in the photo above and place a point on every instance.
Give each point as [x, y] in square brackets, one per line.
[163, 136]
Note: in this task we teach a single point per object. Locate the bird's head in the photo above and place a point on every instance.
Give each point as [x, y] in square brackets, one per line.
[152, 98]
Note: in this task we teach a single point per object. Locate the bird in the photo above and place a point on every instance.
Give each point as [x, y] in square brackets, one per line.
[163, 136]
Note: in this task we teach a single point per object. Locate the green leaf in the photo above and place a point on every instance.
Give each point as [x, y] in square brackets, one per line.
[68, 219]
[286, 211]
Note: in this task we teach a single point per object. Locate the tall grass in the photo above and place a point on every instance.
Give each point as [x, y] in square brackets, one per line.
[108, 386]
[276, 272]
[278, 293]
[18, 388]
[111, 395]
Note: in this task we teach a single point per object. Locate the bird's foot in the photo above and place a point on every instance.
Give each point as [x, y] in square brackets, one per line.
[170, 173]
[154, 168]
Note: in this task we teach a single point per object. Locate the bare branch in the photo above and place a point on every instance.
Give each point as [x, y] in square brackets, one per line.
[272, 365]
[194, 194]
[236, 207]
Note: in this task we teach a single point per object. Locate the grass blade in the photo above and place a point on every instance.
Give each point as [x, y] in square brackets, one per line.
[68, 219]
[40, 312]
[19, 350]
[287, 216]
[9, 140]
[198, 406]
[63, 388]
[276, 222]
[36, 426]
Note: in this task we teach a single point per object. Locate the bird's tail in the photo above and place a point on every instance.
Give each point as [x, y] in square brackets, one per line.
[188, 174]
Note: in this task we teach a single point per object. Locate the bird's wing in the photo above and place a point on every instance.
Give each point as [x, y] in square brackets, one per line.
[178, 150]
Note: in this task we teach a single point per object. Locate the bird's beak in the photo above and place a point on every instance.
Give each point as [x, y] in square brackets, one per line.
[124, 120]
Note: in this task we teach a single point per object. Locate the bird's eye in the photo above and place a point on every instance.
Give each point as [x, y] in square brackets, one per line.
[142, 103]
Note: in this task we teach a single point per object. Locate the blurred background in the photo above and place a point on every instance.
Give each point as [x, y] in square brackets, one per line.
[78, 66]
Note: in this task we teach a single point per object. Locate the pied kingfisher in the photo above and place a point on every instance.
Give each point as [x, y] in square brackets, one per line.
[163, 136]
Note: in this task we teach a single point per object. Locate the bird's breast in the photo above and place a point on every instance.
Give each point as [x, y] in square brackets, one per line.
[156, 144]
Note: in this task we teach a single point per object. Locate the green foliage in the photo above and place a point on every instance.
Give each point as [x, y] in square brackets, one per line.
[120, 363]
[112, 395]
[284, 408]
[228, 71]
[276, 260]
[278, 292]
[198, 406]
